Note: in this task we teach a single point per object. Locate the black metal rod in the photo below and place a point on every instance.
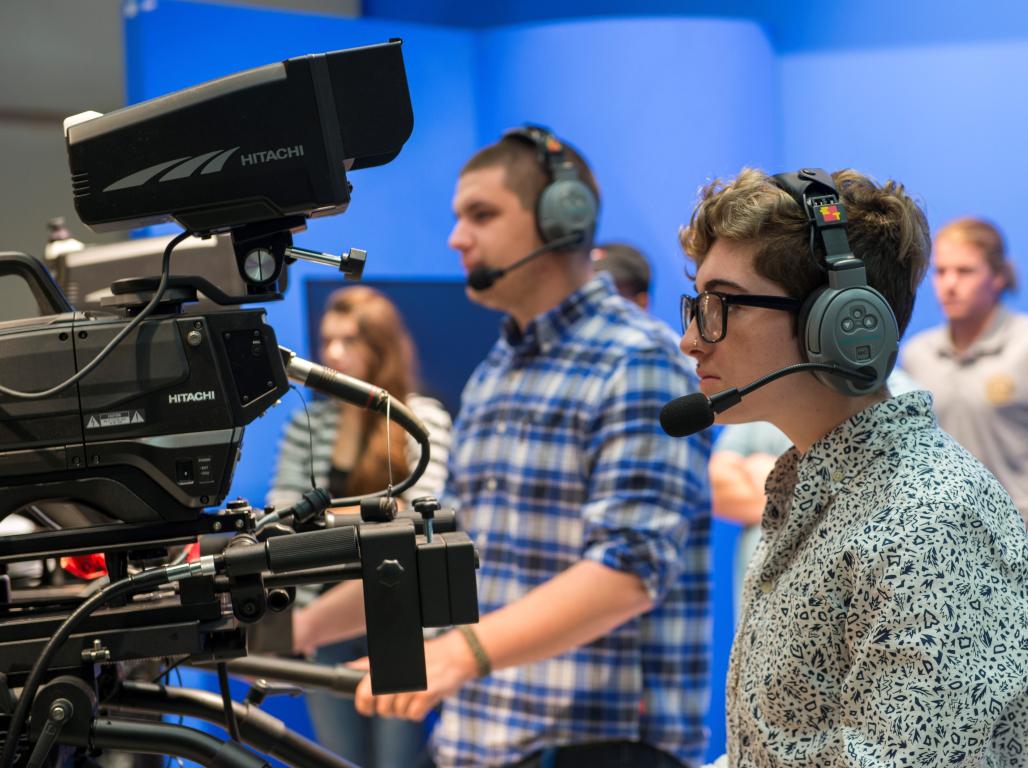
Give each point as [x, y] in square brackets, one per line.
[256, 727]
[335, 679]
[328, 575]
[170, 739]
[120, 536]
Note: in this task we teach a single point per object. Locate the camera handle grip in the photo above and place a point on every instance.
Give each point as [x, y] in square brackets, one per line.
[295, 552]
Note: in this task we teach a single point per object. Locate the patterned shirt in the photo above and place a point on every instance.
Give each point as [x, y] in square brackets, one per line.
[558, 458]
[885, 617]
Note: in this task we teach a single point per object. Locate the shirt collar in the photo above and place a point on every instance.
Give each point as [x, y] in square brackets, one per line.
[844, 452]
[548, 328]
[989, 342]
[834, 463]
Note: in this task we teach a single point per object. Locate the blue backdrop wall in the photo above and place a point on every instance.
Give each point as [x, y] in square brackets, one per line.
[940, 117]
[660, 101]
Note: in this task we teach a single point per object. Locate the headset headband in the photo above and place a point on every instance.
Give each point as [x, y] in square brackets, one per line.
[566, 208]
[549, 150]
[815, 193]
[845, 322]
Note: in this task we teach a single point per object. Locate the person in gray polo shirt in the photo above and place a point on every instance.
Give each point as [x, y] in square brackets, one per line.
[977, 363]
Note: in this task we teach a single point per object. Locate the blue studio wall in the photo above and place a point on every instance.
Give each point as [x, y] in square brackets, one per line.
[660, 103]
[941, 118]
[634, 114]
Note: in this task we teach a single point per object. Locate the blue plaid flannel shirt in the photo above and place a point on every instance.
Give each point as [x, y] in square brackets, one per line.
[558, 457]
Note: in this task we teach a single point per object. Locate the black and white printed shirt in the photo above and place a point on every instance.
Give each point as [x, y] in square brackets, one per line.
[885, 614]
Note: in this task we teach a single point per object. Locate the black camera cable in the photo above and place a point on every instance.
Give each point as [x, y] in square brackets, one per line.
[310, 433]
[121, 588]
[280, 554]
[226, 700]
[103, 353]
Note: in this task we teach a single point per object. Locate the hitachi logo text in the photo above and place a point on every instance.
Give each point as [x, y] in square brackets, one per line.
[191, 397]
[282, 153]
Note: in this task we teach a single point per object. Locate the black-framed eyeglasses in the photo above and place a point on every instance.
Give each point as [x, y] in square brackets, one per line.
[710, 309]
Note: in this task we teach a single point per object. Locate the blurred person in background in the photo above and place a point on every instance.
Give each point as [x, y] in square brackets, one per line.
[592, 525]
[976, 364]
[362, 334]
[629, 268]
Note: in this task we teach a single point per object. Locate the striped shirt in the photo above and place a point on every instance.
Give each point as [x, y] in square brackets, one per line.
[559, 458]
[293, 473]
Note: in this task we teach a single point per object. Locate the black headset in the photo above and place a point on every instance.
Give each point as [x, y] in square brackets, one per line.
[846, 322]
[566, 207]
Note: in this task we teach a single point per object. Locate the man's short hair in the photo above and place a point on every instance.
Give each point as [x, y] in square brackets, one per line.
[886, 229]
[626, 265]
[525, 175]
[988, 239]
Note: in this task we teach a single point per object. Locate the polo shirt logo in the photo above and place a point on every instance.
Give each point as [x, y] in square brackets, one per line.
[999, 389]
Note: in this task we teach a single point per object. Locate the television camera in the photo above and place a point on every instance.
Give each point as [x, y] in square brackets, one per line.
[120, 430]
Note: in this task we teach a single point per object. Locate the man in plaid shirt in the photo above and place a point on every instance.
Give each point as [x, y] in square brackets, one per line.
[592, 525]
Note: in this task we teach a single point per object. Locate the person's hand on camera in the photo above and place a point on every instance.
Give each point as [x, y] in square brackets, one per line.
[449, 664]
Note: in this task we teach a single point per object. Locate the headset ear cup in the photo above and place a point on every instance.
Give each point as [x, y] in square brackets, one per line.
[852, 328]
[566, 206]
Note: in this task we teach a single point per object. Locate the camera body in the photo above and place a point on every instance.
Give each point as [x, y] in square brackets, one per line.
[154, 432]
[145, 440]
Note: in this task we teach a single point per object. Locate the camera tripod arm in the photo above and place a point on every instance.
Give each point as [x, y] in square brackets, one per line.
[257, 728]
[167, 738]
[338, 679]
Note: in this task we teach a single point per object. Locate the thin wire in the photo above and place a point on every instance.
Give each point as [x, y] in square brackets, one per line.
[310, 431]
[167, 671]
[103, 353]
[389, 444]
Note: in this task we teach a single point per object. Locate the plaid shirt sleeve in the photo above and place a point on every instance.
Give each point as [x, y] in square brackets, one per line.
[645, 487]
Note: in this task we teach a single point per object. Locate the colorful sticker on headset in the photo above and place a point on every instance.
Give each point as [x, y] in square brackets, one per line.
[831, 214]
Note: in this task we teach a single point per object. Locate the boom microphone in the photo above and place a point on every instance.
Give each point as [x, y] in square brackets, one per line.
[481, 278]
[693, 413]
[354, 391]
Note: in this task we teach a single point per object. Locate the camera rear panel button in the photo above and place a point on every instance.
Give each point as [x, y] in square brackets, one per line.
[185, 472]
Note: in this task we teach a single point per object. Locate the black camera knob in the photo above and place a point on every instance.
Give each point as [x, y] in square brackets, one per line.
[426, 506]
[380, 509]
